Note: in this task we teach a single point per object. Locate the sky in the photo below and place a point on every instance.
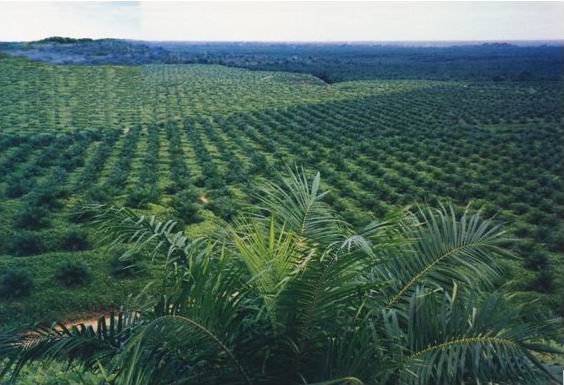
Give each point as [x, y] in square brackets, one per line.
[284, 21]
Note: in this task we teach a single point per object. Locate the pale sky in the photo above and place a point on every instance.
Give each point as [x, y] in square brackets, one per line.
[284, 21]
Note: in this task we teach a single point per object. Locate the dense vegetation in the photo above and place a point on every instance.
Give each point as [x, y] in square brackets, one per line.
[519, 61]
[386, 126]
[291, 294]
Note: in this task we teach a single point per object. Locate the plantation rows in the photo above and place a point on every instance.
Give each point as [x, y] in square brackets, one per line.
[188, 148]
[39, 97]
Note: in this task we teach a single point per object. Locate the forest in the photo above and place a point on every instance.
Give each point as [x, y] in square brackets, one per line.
[332, 62]
[330, 195]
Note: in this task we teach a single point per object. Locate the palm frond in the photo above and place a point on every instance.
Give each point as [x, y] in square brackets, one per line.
[160, 353]
[121, 225]
[329, 283]
[271, 256]
[298, 203]
[381, 235]
[85, 344]
[212, 290]
[452, 337]
[355, 349]
[446, 249]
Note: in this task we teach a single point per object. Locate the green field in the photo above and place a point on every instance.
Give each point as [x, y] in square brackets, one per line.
[191, 142]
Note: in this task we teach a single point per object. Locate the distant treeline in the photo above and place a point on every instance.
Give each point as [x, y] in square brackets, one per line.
[330, 62]
[64, 40]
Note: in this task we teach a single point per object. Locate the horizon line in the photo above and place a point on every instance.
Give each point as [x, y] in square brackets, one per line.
[552, 40]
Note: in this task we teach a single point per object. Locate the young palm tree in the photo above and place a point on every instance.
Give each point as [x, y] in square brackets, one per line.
[292, 294]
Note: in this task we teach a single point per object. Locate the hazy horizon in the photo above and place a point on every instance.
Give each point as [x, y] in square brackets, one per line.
[537, 42]
[290, 22]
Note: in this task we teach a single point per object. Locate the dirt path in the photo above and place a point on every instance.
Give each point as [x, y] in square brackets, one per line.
[89, 320]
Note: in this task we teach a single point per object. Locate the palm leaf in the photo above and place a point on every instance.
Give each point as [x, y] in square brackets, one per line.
[121, 225]
[156, 354]
[298, 203]
[446, 249]
[271, 256]
[82, 343]
[453, 337]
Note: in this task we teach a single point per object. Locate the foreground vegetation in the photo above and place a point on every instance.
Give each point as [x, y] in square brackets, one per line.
[290, 293]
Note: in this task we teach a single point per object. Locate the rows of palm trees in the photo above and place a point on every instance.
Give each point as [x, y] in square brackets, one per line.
[291, 293]
[398, 158]
[394, 148]
[38, 178]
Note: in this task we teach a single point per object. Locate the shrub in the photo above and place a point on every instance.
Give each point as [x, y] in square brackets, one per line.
[543, 282]
[556, 241]
[520, 208]
[223, 208]
[75, 240]
[523, 231]
[47, 196]
[140, 197]
[31, 217]
[97, 194]
[186, 210]
[73, 274]
[15, 283]
[537, 260]
[25, 243]
[18, 187]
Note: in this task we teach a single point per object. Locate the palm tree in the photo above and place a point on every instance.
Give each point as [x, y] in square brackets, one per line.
[290, 293]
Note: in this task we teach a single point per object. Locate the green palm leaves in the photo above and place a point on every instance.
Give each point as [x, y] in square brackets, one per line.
[444, 249]
[85, 344]
[456, 336]
[298, 203]
[291, 294]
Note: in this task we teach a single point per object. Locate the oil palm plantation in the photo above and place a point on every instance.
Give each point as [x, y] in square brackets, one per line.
[291, 294]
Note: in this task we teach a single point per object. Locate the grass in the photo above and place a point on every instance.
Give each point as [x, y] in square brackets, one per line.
[51, 301]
